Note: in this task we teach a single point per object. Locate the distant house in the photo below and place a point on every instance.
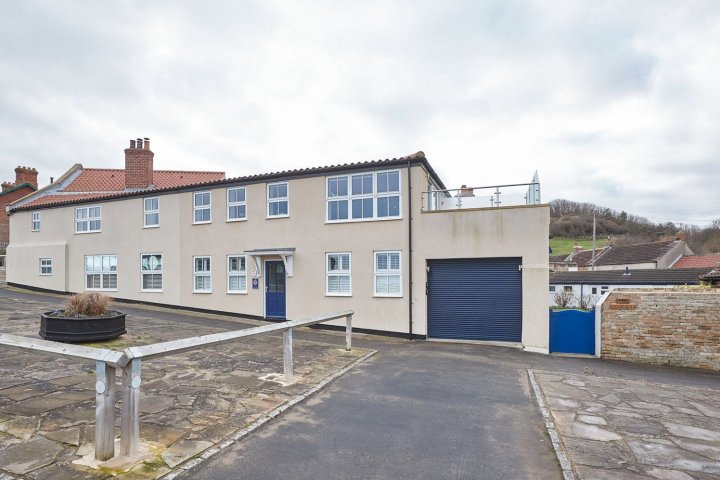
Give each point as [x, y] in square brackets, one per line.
[698, 261]
[637, 256]
[593, 284]
[24, 184]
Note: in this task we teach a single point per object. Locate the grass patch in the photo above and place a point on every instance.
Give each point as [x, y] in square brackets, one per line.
[564, 246]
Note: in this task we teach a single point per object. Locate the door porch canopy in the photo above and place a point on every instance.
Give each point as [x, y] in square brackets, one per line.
[285, 253]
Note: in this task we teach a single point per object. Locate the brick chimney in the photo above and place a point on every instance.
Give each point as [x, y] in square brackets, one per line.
[139, 164]
[26, 175]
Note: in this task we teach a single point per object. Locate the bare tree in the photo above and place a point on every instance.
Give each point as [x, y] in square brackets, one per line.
[563, 299]
[587, 302]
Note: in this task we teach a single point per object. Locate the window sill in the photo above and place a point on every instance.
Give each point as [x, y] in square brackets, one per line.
[101, 289]
[202, 223]
[151, 291]
[236, 293]
[387, 296]
[202, 291]
[89, 231]
[338, 294]
[151, 226]
[34, 231]
[233, 220]
[46, 274]
[269, 217]
[361, 220]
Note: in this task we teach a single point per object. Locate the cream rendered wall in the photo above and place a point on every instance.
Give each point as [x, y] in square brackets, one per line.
[488, 232]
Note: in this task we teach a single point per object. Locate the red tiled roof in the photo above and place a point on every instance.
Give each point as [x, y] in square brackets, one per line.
[113, 180]
[698, 261]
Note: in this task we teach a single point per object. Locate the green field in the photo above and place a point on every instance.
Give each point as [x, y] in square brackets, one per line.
[563, 246]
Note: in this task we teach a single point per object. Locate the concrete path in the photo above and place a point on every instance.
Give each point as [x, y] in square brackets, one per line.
[627, 429]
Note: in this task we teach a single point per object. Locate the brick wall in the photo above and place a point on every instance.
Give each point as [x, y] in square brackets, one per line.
[663, 327]
[6, 199]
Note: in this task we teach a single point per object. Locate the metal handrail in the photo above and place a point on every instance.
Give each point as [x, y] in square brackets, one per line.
[129, 361]
[432, 198]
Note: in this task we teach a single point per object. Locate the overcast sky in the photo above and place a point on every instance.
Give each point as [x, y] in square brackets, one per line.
[615, 103]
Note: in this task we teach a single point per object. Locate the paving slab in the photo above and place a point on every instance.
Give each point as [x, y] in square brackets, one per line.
[189, 402]
[642, 430]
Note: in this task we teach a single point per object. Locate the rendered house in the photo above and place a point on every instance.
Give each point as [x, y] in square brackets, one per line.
[594, 284]
[384, 238]
[636, 256]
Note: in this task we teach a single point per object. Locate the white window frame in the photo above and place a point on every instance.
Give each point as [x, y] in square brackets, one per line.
[375, 195]
[88, 219]
[151, 211]
[48, 264]
[144, 272]
[339, 272]
[102, 272]
[207, 207]
[35, 222]
[285, 199]
[237, 273]
[552, 288]
[202, 273]
[389, 272]
[236, 204]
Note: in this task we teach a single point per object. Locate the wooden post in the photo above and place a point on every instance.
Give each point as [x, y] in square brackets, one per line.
[348, 332]
[288, 354]
[104, 411]
[130, 422]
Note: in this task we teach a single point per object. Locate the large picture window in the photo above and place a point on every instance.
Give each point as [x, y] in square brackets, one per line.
[201, 207]
[363, 196]
[236, 206]
[338, 274]
[201, 275]
[237, 274]
[101, 272]
[152, 212]
[278, 200]
[88, 219]
[388, 277]
[151, 272]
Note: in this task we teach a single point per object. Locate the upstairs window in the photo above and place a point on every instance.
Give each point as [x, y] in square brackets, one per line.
[152, 212]
[364, 196]
[201, 207]
[201, 275]
[236, 207]
[237, 274]
[151, 272]
[46, 266]
[278, 200]
[101, 272]
[87, 219]
[35, 221]
[339, 279]
[388, 277]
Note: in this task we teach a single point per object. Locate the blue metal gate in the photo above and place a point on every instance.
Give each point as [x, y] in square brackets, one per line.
[475, 299]
[572, 331]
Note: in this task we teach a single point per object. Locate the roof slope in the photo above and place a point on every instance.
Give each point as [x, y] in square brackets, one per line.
[624, 254]
[648, 276]
[113, 179]
[698, 261]
[61, 199]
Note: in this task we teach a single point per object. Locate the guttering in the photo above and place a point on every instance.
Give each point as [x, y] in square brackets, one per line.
[410, 251]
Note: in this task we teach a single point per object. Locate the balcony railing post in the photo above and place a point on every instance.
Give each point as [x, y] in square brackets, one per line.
[348, 332]
[130, 422]
[104, 411]
[288, 354]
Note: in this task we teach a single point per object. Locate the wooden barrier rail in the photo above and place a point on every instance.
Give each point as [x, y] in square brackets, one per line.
[129, 362]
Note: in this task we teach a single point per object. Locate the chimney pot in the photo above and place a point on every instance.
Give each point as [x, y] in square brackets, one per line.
[139, 143]
[147, 143]
[132, 143]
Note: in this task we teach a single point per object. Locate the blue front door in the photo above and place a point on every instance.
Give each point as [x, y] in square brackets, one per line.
[274, 290]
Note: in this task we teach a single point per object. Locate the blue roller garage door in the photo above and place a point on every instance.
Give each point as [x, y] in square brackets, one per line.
[475, 299]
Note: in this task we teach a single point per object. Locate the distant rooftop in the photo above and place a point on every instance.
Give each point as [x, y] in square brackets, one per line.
[648, 276]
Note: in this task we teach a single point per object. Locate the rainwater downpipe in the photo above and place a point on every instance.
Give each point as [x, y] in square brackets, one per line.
[410, 255]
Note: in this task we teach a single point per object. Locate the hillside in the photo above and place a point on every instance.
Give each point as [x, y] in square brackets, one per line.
[573, 222]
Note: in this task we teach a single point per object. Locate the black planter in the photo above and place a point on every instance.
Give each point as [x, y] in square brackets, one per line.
[89, 329]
